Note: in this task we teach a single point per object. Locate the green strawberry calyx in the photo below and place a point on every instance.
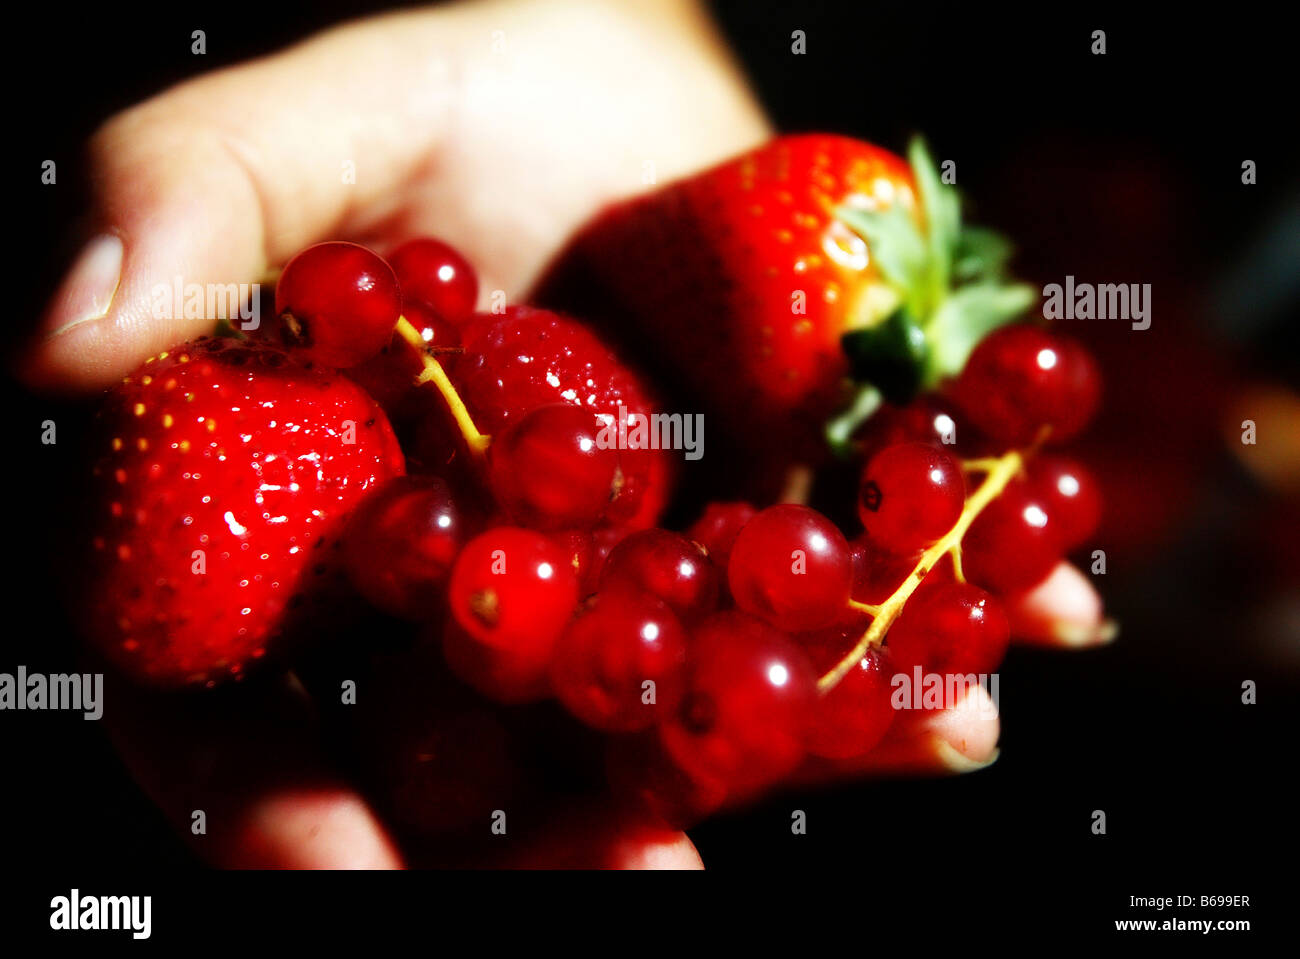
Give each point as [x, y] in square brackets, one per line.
[952, 290]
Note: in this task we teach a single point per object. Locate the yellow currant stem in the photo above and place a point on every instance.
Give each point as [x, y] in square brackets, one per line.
[434, 373]
[864, 607]
[1000, 472]
[958, 573]
[983, 464]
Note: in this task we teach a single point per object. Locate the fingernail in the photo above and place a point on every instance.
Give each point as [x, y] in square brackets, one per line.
[956, 761]
[87, 292]
[1079, 636]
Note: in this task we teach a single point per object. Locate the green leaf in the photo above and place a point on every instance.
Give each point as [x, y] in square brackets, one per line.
[891, 356]
[980, 253]
[942, 208]
[966, 317]
[897, 247]
[841, 427]
[950, 283]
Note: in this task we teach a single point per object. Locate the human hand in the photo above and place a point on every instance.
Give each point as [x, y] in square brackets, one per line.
[499, 126]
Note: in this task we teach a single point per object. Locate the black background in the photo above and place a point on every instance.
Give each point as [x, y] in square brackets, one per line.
[1150, 730]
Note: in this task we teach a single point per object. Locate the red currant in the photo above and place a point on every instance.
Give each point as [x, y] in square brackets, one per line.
[717, 528]
[955, 629]
[1014, 542]
[548, 470]
[877, 572]
[742, 721]
[911, 495]
[400, 545]
[1020, 379]
[577, 545]
[603, 541]
[507, 676]
[513, 590]
[610, 651]
[791, 566]
[927, 419]
[666, 565]
[588, 550]
[854, 715]
[827, 646]
[642, 775]
[434, 275]
[1070, 494]
[337, 304]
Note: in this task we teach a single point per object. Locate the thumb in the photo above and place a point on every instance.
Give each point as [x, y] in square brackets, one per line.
[211, 181]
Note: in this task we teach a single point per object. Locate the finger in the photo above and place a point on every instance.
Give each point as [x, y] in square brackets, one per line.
[601, 837]
[960, 739]
[215, 179]
[326, 827]
[241, 775]
[222, 176]
[1064, 610]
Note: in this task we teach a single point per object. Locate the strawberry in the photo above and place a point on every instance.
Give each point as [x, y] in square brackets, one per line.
[760, 285]
[227, 469]
[524, 358]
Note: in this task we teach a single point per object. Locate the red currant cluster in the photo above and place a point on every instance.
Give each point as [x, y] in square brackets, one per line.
[723, 657]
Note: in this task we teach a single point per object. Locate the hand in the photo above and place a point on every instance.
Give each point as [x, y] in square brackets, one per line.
[499, 126]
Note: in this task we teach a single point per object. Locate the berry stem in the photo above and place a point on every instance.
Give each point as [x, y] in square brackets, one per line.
[957, 572]
[433, 372]
[983, 464]
[867, 608]
[1000, 471]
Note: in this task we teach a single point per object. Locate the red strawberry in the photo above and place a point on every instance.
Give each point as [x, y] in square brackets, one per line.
[741, 282]
[227, 467]
[525, 358]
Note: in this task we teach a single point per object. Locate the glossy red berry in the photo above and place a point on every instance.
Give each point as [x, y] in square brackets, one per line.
[742, 720]
[603, 541]
[877, 572]
[549, 472]
[826, 647]
[1020, 379]
[792, 567]
[513, 590]
[336, 304]
[646, 779]
[853, 716]
[509, 676]
[910, 495]
[717, 528]
[526, 358]
[929, 418]
[955, 629]
[1070, 494]
[1014, 542]
[578, 546]
[667, 565]
[400, 544]
[436, 276]
[608, 654]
